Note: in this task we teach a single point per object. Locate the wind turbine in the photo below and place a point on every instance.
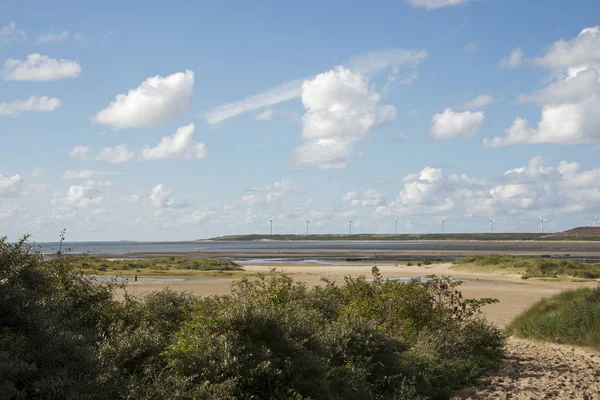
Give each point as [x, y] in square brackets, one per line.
[443, 221]
[350, 226]
[491, 225]
[271, 228]
[596, 220]
[396, 226]
[307, 224]
[542, 219]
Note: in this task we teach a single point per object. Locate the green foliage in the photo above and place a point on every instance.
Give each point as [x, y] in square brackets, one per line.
[532, 267]
[63, 336]
[571, 317]
[93, 264]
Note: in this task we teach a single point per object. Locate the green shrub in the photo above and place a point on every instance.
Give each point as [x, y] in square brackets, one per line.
[571, 317]
[62, 335]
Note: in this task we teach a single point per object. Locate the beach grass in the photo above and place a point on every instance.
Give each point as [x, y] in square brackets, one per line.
[528, 267]
[159, 266]
[570, 317]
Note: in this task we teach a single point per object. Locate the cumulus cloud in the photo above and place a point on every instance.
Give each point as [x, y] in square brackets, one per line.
[158, 100]
[450, 124]
[80, 196]
[369, 63]
[80, 152]
[341, 108]
[11, 186]
[431, 191]
[522, 192]
[115, 155]
[582, 50]
[435, 4]
[58, 37]
[269, 194]
[38, 67]
[368, 198]
[179, 146]
[32, 104]
[513, 60]
[570, 113]
[479, 102]
[9, 33]
[161, 198]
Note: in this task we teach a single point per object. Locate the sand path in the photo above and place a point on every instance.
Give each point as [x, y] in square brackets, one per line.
[536, 370]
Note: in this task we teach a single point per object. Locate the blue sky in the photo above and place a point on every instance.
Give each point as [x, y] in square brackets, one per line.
[169, 120]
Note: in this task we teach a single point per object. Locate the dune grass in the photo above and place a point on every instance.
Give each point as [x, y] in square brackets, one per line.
[571, 317]
[528, 267]
[159, 266]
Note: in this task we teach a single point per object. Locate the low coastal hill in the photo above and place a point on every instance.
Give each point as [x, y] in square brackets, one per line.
[581, 233]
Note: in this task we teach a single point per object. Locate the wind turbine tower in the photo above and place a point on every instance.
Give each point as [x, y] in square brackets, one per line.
[542, 219]
[271, 227]
[350, 226]
[491, 225]
[396, 226]
[596, 220]
[307, 224]
[443, 221]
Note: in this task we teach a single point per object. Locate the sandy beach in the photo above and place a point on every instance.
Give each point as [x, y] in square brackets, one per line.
[515, 294]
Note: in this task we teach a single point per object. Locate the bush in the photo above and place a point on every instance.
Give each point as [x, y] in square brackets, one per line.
[63, 336]
[571, 317]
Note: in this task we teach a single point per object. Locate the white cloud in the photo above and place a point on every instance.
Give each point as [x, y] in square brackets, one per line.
[58, 37]
[11, 186]
[80, 196]
[450, 124]
[479, 102]
[435, 4]
[116, 154]
[269, 194]
[40, 68]
[80, 152]
[369, 63]
[570, 113]
[369, 198]
[513, 60]
[180, 146]
[330, 153]
[32, 104]
[156, 101]
[341, 108]
[265, 115]
[582, 50]
[471, 48]
[161, 198]
[9, 33]
[284, 92]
